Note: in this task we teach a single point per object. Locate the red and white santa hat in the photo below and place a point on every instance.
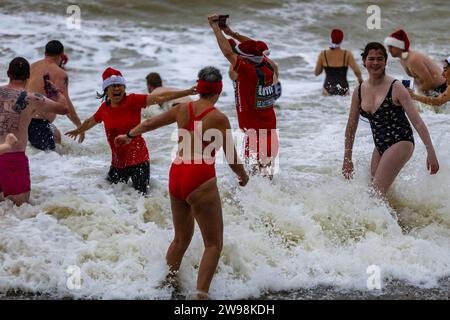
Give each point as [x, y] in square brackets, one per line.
[253, 50]
[398, 39]
[112, 76]
[336, 38]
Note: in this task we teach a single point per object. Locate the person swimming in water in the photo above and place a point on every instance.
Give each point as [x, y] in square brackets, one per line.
[335, 62]
[444, 97]
[426, 72]
[386, 103]
[192, 179]
[155, 87]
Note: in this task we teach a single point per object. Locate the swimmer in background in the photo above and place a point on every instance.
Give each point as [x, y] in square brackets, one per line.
[155, 87]
[442, 98]
[426, 73]
[335, 62]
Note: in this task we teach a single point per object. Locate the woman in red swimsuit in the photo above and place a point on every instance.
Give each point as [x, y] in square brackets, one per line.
[192, 182]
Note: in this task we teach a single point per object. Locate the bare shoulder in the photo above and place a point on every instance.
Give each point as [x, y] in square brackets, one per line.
[220, 118]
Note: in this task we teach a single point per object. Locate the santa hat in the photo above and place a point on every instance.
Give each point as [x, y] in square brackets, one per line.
[398, 39]
[336, 38]
[112, 76]
[253, 50]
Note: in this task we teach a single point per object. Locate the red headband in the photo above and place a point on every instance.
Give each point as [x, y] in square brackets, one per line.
[205, 87]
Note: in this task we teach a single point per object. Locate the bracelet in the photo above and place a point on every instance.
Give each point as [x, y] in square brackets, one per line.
[129, 135]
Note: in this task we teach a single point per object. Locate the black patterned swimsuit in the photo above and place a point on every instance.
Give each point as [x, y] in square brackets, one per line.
[389, 123]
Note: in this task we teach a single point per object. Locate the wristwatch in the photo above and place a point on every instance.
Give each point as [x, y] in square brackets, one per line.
[129, 135]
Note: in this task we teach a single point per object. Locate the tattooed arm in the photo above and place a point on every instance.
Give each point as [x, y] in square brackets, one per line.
[41, 104]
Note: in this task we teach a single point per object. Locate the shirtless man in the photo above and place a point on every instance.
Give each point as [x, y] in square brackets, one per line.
[155, 87]
[17, 107]
[42, 134]
[426, 73]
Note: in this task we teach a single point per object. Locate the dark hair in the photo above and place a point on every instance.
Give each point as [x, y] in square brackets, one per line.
[209, 74]
[154, 79]
[104, 97]
[54, 48]
[19, 69]
[374, 46]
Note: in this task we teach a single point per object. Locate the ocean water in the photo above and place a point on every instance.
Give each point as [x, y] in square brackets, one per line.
[307, 230]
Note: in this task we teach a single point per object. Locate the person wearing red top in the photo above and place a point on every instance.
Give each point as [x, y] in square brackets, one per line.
[255, 95]
[120, 112]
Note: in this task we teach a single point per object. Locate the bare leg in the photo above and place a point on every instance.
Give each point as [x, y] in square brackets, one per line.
[56, 134]
[375, 161]
[183, 222]
[390, 164]
[325, 93]
[207, 211]
[20, 199]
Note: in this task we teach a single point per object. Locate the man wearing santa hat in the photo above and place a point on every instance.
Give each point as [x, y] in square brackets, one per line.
[255, 98]
[242, 38]
[426, 73]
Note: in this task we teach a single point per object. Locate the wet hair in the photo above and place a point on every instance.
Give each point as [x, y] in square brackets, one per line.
[374, 46]
[154, 79]
[209, 74]
[19, 69]
[104, 96]
[54, 48]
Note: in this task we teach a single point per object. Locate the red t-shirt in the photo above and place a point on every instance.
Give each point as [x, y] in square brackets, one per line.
[255, 95]
[119, 120]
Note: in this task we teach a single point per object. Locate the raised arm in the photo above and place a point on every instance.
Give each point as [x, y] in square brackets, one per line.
[405, 100]
[229, 149]
[235, 35]
[350, 132]
[224, 46]
[354, 66]
[161, 120]
[433, 101]
[169, 95]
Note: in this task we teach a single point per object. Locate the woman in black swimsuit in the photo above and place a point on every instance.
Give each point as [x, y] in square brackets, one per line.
[335, 62]
[384, 102]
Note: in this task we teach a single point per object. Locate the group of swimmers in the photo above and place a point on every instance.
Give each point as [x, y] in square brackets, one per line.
[37, 93]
